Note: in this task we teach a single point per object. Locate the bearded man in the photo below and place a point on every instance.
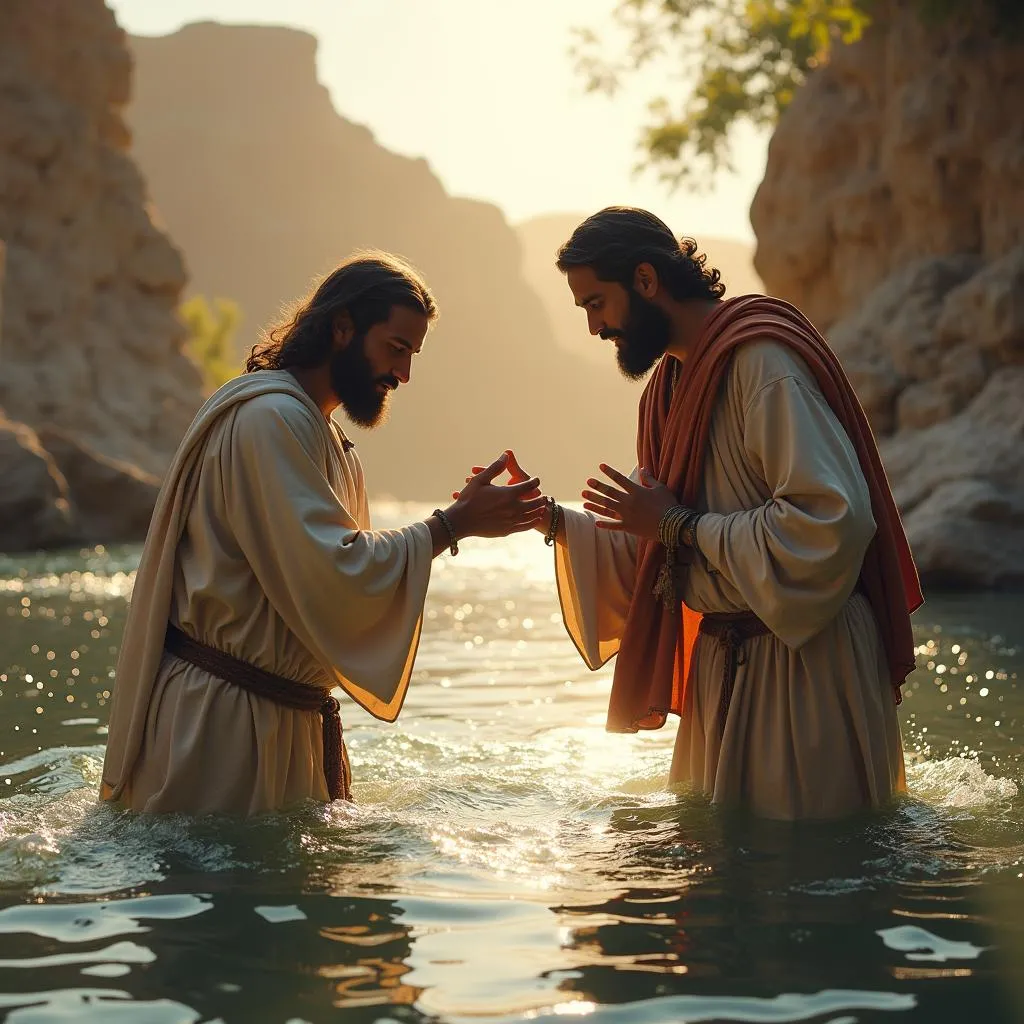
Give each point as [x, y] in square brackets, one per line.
[262, 583]
[751, 574]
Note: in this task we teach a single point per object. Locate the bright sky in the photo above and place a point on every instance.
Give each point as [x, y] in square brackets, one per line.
[486, 91]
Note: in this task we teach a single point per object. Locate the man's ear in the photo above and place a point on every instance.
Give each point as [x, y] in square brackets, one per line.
[645, 280]
[344, 330]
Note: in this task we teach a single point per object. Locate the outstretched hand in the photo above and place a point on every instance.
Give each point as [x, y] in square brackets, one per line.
[630, 507]
[516, 474]
[485, 509]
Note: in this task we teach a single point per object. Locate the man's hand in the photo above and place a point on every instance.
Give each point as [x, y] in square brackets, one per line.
[484, 509]
[630, 507]
[516, 474]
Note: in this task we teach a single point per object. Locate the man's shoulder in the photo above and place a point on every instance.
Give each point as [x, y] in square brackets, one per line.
[272, 412]
[760, 363]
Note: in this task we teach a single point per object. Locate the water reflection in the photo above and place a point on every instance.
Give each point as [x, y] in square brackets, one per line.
[506, 859]
[867, 910]
[214, 954]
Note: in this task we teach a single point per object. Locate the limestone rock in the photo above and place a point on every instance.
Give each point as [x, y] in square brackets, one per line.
[943, 385]
[966, 533]
[893, 153]
[988, 310]
[34, 508]
[892, 212]
[924, 403]
[113, 501]
[91, 343]
[890, 341]
[959, 485]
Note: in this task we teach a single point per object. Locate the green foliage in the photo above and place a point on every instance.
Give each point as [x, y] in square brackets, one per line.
[745, 58]
[210, 344]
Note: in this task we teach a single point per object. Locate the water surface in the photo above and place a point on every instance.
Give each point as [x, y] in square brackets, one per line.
[507, 859]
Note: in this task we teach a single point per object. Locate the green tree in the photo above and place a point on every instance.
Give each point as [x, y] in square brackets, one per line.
[211, 333]
[745, 60]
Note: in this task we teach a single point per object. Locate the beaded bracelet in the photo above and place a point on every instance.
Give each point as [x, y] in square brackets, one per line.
[677, 526]
[688, 533]
[447, 524]
[556, 515]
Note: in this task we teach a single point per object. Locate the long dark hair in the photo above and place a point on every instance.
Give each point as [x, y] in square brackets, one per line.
[366, 286]
[617, 239]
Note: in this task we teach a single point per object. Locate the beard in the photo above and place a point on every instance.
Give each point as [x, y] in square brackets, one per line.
[643, 339]
[356, 387]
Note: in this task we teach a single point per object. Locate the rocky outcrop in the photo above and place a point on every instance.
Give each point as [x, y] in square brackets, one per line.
[90, 343]
[960, 485]
[34, 507]
[113, 500]
[57, 492]
[905, 146]
[264, 185]
[892, 212]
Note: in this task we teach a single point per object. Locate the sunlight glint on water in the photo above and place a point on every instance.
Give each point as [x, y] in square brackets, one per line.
[507, 859]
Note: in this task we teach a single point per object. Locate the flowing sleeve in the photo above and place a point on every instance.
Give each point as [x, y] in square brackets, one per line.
[595, 571]
[354, 598]
[796, 558]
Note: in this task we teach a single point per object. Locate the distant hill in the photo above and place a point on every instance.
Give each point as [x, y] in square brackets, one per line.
[264, 185]
[540, 238]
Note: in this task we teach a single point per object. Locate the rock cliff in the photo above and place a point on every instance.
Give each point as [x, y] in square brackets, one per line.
[892, 212]
[91, 347]
[265, 185]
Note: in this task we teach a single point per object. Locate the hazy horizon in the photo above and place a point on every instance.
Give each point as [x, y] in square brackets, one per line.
[532, 144]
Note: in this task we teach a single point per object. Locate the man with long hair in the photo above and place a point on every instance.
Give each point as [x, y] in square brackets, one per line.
[751, 574]
[262, 585]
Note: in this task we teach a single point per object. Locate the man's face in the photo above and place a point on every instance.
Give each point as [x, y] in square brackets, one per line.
[374, 363]
[640, 329]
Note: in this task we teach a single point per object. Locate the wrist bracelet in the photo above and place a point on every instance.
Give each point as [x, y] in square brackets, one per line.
[677, 527]
[673, 529]
[688, 535]
[556, 515]
[447, 524]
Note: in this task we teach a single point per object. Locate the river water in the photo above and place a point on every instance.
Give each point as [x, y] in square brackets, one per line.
[506, 858]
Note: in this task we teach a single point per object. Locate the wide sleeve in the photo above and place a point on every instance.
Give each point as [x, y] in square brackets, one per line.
[796, 558]
[595, 571]
[354, 598]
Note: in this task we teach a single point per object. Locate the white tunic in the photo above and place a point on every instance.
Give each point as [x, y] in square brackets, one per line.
[812, 729]
[277, 565]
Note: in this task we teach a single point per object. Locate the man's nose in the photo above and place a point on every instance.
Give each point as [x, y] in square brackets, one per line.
[596, 325]
[403, 373]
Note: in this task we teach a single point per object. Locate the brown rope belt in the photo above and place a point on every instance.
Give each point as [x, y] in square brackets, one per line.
[285, 692]
[731, 630]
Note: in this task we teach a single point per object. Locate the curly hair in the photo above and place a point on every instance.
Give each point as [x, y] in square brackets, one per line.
[366, 286]
[616, 240]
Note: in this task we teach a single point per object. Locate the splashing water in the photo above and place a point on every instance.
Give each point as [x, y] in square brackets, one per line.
[507, 859]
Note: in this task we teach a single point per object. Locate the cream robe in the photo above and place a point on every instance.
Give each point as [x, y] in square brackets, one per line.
[812, 729]
[260, 546]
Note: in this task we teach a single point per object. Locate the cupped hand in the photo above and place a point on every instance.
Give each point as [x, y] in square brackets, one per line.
[485, 509]
[628, 506]
[516, 474]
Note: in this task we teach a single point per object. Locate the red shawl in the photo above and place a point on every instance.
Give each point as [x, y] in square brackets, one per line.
[672, 440]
